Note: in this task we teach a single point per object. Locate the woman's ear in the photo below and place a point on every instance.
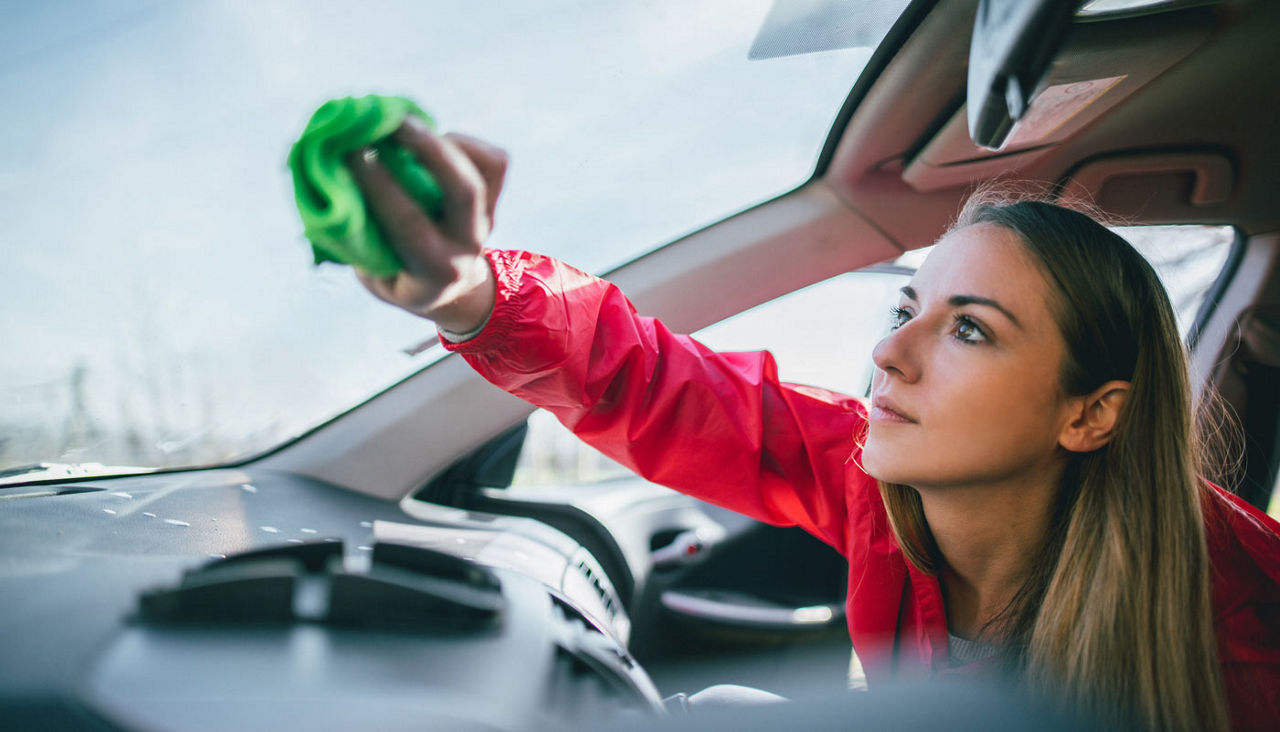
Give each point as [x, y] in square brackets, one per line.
[1092, 418]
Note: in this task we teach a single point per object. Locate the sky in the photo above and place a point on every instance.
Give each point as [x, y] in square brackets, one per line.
[154, 275]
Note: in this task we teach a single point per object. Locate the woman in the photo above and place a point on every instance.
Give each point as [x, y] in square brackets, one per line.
[1021, 491]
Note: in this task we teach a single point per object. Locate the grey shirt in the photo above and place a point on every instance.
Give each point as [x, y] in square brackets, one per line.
[964, 652]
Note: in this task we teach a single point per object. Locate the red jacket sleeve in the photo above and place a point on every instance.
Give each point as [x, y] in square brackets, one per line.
[718, 426]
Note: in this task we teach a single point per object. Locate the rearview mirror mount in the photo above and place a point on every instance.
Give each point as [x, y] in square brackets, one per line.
[1013, 43]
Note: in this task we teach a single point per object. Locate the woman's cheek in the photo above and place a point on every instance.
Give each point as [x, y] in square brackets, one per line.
[955, 447]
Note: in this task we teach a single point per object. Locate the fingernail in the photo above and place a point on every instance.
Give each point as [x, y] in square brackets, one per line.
[369, 155]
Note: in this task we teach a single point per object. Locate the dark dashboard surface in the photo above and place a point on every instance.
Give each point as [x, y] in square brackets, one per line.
[310, 630]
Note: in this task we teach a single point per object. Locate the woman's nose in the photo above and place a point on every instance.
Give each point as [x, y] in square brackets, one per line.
[895, 354]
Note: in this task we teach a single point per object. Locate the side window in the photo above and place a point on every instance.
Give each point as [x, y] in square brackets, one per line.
[1187, 258]
[824, 334]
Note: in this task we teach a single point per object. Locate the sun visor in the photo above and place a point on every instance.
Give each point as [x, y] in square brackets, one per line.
[1100, 65]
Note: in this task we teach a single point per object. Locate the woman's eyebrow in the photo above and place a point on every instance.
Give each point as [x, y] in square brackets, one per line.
[959, 300]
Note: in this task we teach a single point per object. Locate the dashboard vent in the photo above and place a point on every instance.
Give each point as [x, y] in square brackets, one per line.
[600, 583]
[593, 675]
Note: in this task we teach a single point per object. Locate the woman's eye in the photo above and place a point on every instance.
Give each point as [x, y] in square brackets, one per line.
[967, 331]
[898, 317]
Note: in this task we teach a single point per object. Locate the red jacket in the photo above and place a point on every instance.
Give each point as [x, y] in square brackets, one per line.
[723, 428]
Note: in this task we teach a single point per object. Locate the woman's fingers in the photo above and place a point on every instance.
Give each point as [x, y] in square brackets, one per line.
[405, 227]
[377, 286]
[445, 277]
[490, 160]
[465, 201]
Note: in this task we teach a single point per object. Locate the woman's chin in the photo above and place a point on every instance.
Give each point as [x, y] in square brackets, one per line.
[878, 465]
[891, 463]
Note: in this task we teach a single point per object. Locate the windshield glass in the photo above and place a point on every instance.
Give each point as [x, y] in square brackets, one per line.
[160, 309]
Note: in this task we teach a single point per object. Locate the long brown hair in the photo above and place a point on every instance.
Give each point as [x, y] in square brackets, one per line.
[1115, 618]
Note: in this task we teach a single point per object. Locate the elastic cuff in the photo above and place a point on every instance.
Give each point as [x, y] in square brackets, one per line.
[508, 269]
[454, 337]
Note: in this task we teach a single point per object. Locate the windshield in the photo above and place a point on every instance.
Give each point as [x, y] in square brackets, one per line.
[160, 309]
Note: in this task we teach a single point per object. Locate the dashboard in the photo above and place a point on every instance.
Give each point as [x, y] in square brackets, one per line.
[236, 599]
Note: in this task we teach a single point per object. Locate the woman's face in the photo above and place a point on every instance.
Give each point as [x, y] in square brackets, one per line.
[966, 390]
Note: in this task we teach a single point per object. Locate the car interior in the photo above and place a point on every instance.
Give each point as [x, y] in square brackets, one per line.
[385, 571]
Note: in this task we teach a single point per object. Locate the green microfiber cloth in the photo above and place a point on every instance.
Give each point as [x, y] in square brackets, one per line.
[335, 217]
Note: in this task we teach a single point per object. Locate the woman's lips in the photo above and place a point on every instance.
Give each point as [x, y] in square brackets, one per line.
[884, 410]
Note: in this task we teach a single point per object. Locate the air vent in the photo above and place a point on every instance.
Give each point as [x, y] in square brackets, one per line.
[600, 583]
[593, 677]
[573, 615]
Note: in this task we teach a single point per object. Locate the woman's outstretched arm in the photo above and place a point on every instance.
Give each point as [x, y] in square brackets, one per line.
[718, 426]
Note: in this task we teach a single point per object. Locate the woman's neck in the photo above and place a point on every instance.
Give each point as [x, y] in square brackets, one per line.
[990, 537]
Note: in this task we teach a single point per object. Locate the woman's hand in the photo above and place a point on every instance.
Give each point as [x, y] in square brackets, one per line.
[445, 276]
